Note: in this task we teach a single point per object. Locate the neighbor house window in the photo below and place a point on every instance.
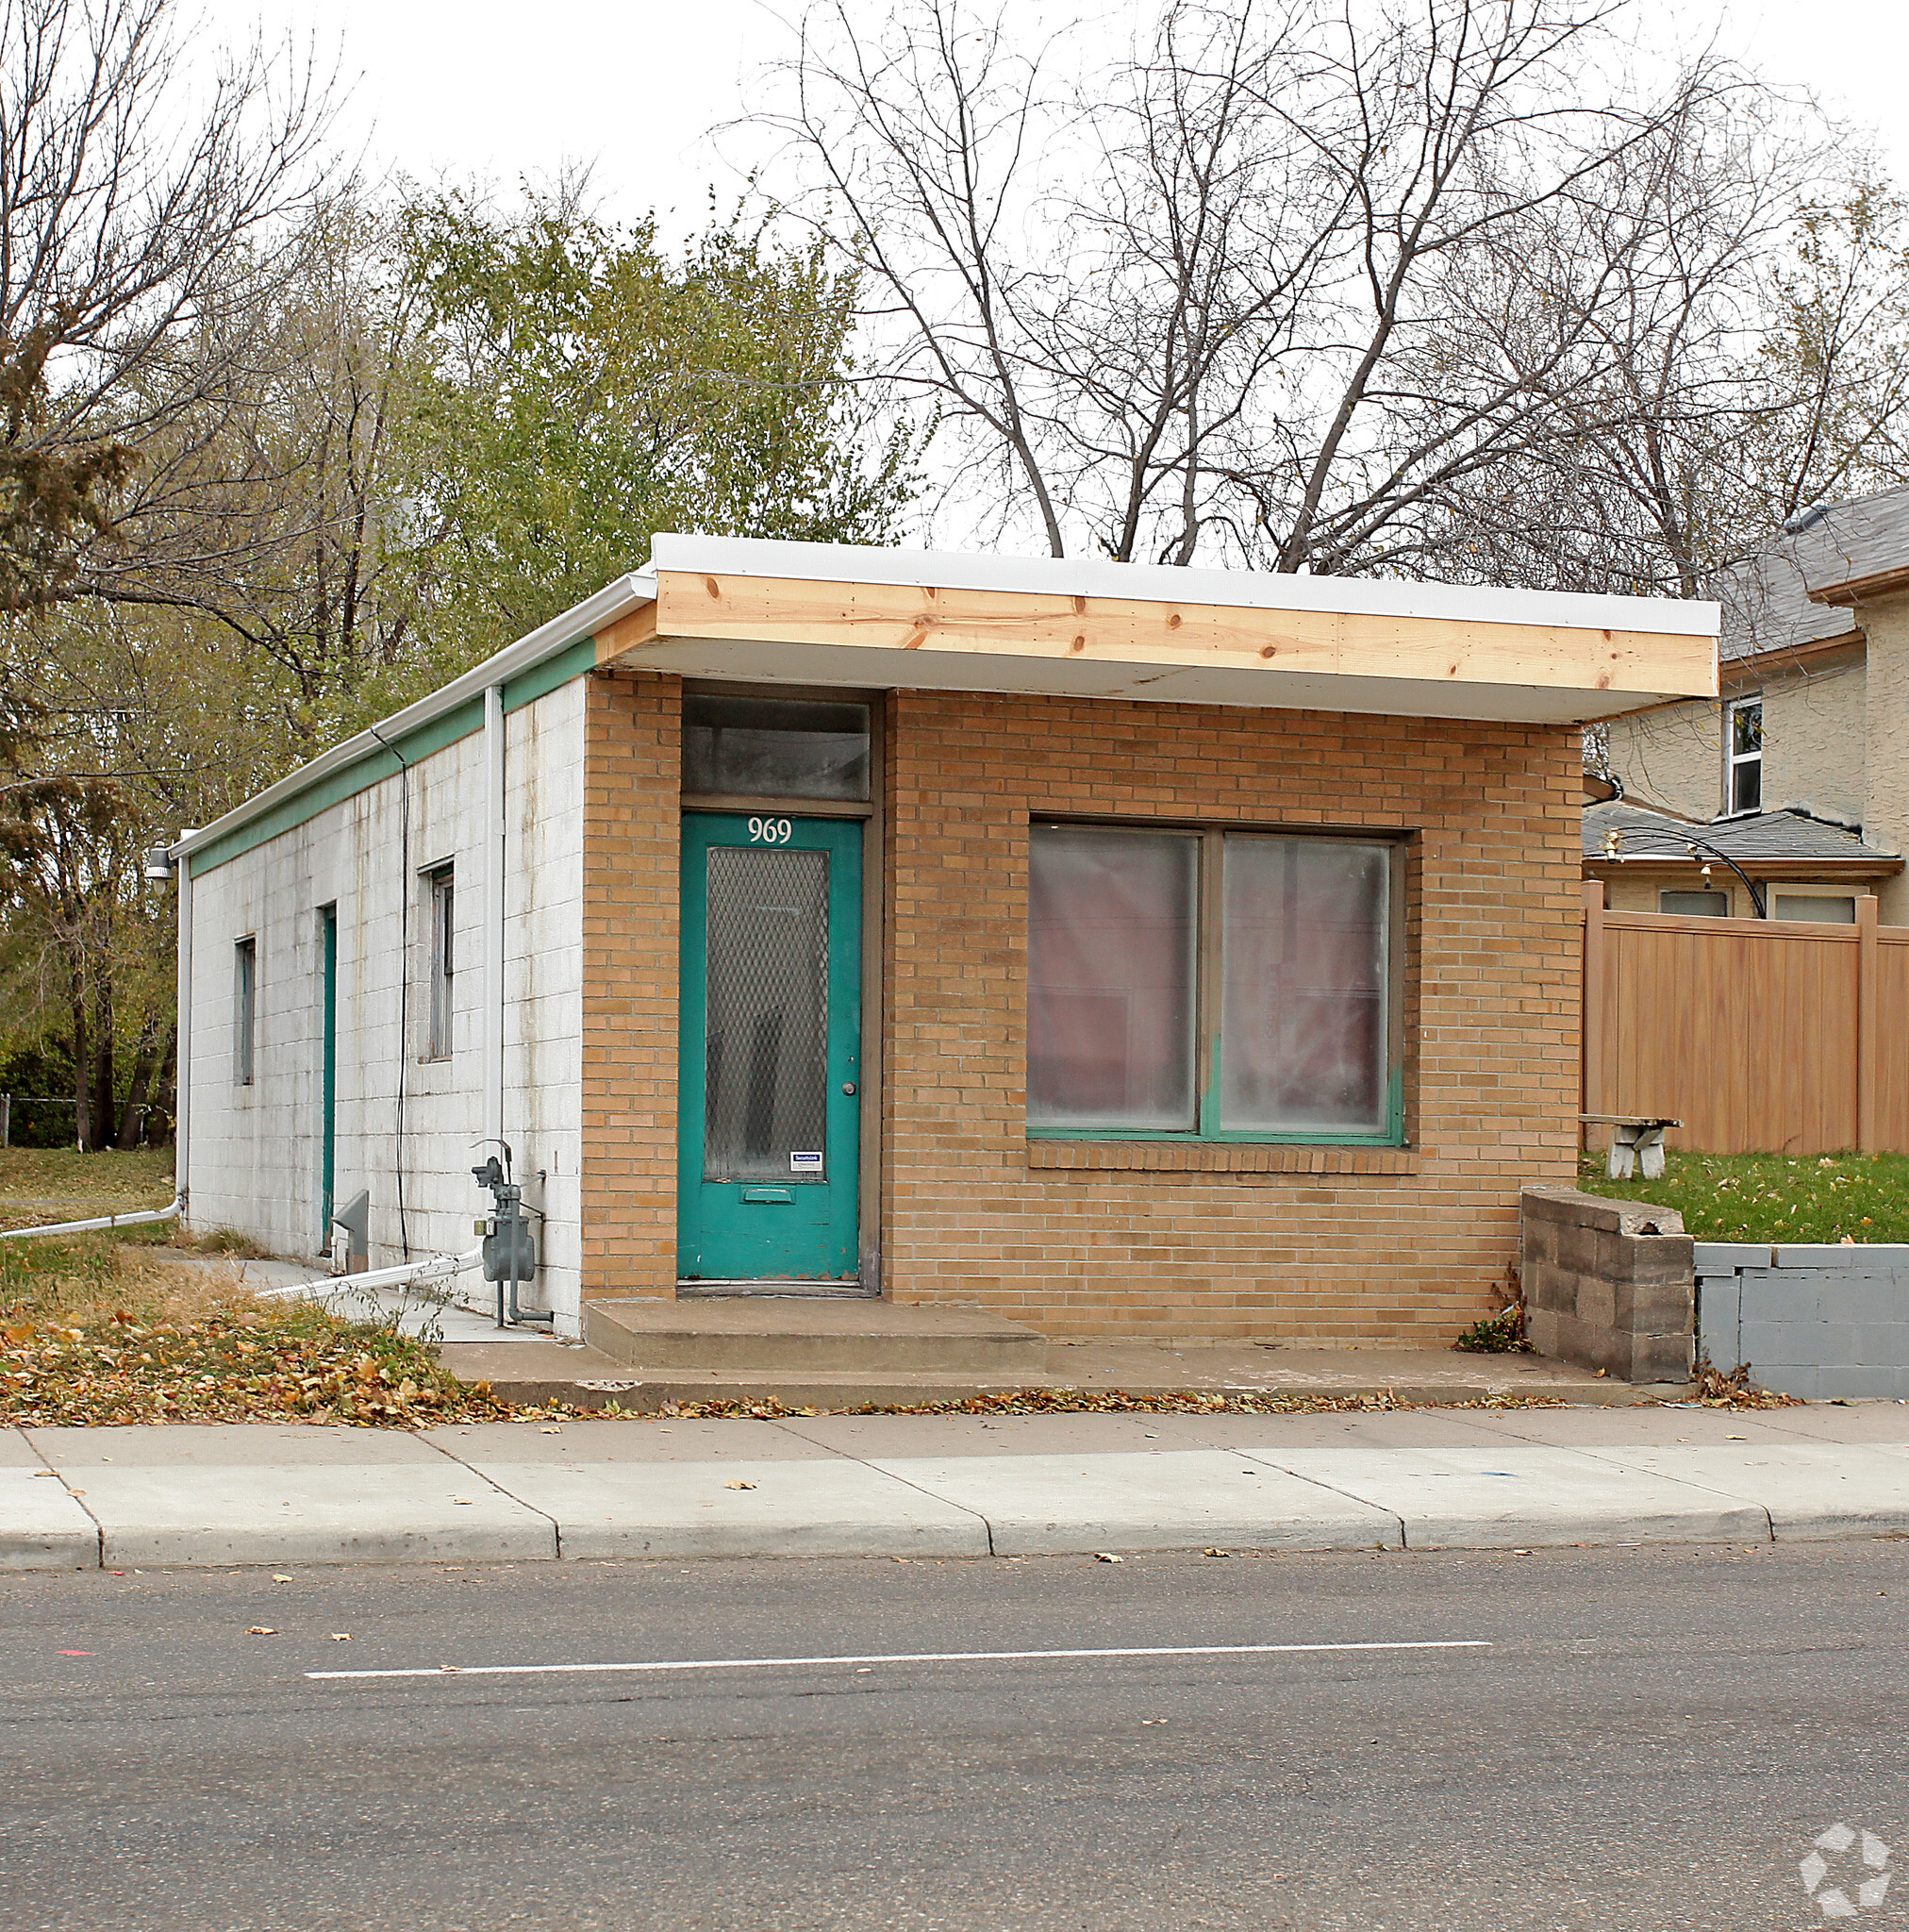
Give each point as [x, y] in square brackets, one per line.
[1695, 904]
[1838, 909]
[1743, 790]
[443, 962]
[244, 1009]
[1213, 985]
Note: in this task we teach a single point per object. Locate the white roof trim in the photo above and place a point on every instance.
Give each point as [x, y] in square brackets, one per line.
[1071, 576]
[581, 621]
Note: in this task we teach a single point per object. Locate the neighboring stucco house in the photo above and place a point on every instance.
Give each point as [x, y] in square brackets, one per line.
[1129, 951]
[1799, 769]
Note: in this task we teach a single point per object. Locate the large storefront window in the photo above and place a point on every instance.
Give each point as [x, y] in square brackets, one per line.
[1219, 986]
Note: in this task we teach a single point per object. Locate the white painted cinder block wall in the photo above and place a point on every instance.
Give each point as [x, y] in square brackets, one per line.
[254, 1152]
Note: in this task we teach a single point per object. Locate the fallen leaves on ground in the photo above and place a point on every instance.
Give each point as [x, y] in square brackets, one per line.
[1105, 1402]
[300, 1365]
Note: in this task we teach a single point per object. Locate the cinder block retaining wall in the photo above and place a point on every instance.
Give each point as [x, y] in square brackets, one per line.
[1809, 1320]
[1607, 1284]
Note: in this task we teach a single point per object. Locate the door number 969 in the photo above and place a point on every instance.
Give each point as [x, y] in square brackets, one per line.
[771, 831]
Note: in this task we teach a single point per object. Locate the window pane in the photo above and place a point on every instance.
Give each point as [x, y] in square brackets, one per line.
[1746, 786]
[1833, 910]
[1110, 979]
[1746, 730]
[1695, 904]
[774, 749]
[1303, 1011]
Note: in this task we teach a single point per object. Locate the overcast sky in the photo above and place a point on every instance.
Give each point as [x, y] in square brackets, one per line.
[633, 88]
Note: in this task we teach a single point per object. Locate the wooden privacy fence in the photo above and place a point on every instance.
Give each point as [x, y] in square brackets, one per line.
[1761, 1035]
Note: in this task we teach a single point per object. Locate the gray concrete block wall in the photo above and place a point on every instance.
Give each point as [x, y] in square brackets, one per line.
[1607, 1284]
[1807, 1319]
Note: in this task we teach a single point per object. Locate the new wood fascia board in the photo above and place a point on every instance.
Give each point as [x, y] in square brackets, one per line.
[1606, 666]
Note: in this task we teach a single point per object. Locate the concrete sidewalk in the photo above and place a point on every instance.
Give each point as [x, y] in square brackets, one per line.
[901, 1486]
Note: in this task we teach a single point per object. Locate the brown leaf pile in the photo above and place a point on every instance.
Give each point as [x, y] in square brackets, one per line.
[304, 1366]
[1106, 1402]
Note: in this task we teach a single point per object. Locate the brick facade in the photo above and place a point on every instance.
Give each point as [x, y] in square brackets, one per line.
[1290, 1244]
[632, 765]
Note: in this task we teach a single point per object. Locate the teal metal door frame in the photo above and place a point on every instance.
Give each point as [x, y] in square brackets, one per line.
[798, 1228]
[327, 1138]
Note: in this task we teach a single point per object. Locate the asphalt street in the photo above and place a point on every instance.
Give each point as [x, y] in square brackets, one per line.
[1648, 1738]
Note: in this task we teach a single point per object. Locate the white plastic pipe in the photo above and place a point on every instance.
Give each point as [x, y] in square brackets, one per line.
[134, 1219]
[182, 1056]
[493, 912]
[435, 1268]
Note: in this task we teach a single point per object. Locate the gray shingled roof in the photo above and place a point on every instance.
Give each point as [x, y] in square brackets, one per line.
[1765, 601]
[1771, 837]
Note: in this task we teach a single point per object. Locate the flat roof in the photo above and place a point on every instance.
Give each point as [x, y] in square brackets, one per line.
[866, 616]
[1244, 590]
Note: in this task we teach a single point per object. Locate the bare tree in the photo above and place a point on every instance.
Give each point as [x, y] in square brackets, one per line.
[141, 215]
[1310, 286]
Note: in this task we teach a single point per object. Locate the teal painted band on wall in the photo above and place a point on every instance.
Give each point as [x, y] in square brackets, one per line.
[462, 720]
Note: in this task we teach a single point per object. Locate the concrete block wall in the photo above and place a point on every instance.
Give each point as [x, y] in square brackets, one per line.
[255, 1150]
[1608, 1284]
[1807, 1319]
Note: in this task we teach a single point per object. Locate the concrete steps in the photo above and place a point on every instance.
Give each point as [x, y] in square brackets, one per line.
[838, 1354]
[806, 1338]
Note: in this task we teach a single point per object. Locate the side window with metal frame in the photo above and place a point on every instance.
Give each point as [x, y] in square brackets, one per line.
[244, 1010]
[443, 963]
[1217, 986]
[1743, 781]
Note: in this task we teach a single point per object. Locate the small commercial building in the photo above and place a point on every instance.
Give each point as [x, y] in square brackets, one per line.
[1128, 951]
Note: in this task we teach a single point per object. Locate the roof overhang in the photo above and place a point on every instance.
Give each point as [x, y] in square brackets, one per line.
[1779, 871]
[841, 615]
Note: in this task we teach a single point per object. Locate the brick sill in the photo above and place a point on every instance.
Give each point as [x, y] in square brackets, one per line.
[1217, 1157]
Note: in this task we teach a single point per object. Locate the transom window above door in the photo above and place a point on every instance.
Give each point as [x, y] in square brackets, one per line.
[1213, 986]
[757, 747]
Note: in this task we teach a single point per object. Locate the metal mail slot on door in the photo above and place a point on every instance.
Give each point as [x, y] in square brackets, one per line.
[785, 1195]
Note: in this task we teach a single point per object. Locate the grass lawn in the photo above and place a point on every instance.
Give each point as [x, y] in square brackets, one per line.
[1773, 1197]
[38, 1184]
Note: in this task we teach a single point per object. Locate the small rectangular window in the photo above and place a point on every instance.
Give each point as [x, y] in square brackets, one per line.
[1219, 985]
[443, 963]
[1695, 904]
[244, 1009]
[1744, 787]
[1830, 909]
[748, 747]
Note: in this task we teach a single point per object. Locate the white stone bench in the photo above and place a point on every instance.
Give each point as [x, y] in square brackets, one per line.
[1636, 1143]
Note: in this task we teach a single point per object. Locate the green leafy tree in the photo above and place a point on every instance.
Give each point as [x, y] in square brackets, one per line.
[588, 389]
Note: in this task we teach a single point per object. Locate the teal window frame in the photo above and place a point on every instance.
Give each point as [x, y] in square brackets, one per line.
[1209, 915]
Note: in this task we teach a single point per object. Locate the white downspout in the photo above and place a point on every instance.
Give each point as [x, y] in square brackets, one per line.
[493, 912]
[182, 1057]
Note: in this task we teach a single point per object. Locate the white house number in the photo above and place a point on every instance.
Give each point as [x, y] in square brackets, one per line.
[771, 831]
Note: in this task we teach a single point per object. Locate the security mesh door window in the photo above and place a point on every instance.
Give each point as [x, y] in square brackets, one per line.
[767, 1012]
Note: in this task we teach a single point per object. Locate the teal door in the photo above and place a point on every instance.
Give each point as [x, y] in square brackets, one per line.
[769, 1126]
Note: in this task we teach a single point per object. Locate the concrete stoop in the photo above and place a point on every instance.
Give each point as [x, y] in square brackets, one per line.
[808, 1352]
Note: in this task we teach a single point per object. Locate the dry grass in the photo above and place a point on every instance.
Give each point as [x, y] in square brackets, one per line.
[98, 1331]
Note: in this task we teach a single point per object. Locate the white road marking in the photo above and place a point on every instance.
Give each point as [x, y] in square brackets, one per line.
[918, 1656]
